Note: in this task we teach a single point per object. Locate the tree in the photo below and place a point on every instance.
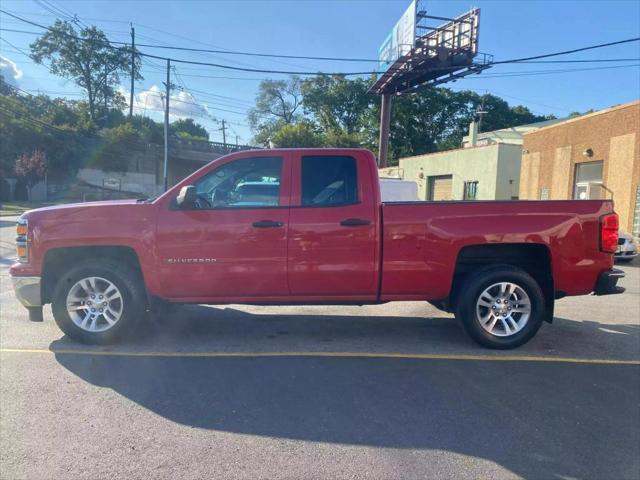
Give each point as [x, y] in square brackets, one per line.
[115, 151]
[188, 129]
[579, 114]
[87, 58]
[277, 103]
[31, 168]
[436, 119]
[499, 114]
[57, 127]
[336, 103]
[296, 135]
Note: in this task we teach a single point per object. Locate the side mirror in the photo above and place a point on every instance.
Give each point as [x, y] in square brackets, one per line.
[187, 197]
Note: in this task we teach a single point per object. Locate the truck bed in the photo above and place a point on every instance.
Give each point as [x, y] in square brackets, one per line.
[440, 231]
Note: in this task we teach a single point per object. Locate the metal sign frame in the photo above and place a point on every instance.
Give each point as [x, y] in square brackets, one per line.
[436, 54]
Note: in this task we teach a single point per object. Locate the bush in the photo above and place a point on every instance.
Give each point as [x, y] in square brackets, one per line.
[114, 152]
[342, 139]
[297, 135]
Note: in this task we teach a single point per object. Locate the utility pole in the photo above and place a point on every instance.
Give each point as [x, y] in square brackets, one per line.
[224, 135]
[166, 125]
[133, 69]
[481, 113]
[385, 120]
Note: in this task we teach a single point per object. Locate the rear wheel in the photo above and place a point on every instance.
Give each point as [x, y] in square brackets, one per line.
[98, 302]
[501, 308]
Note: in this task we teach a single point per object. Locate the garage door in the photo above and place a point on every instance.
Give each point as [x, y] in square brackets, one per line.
[440, 187]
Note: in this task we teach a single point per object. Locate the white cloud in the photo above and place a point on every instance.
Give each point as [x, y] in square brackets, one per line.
[181, 104]
[10, 71]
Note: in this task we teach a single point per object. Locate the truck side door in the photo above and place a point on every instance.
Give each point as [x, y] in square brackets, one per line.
[333, 236]
[234, 244]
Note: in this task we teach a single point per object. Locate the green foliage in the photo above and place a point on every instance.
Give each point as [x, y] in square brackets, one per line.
[150, 131]
[297, 135]
[344, 114]
[342, 139]
[277, 104]
[30, 123]
[114, 152]
[337, 104]
[89, 60]
[188, 129]
[579, 114]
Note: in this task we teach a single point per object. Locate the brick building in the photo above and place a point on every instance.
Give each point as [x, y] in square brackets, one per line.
[591, 156]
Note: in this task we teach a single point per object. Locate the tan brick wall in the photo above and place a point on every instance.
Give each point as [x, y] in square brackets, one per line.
[620, 177]
[614, 137]
[530, 172]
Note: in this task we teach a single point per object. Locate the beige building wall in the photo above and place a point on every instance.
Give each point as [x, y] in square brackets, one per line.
[550, 156]
[495, 167]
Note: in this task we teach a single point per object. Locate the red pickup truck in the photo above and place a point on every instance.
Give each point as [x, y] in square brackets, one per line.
[307, 226]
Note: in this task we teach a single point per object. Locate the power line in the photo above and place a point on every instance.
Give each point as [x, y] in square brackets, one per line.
[320, 73]
[523, 62]
[550, 72]
[566, 52]
[255, 54]
[369, 60]
[595, 60]
[17, 48]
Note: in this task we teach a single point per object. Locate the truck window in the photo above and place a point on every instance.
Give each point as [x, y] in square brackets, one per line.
[244, 183]
[329, 180]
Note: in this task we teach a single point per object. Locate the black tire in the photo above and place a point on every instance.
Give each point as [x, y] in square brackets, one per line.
[473, 288]
[125, 279]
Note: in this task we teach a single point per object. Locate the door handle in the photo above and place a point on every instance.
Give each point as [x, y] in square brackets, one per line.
[354, 222]
[267, 224]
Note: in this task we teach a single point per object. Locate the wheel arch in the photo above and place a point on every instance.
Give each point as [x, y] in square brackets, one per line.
[59, 260]
[533, 258]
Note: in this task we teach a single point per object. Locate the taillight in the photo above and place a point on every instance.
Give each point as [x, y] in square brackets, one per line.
[22, 242]
[609, 233]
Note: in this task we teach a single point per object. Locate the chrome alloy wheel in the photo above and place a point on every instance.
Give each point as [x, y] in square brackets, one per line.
[94, 304]
[503, 309]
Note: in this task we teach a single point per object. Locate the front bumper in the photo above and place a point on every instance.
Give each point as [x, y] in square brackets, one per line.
[28, 290]
[606, 284]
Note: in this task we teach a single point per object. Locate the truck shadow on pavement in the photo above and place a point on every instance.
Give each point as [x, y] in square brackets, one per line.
[539, 420]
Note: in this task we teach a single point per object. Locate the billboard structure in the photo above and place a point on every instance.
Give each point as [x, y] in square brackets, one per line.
[422, 51]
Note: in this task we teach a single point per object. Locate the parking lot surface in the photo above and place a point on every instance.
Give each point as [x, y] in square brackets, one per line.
[389, 391]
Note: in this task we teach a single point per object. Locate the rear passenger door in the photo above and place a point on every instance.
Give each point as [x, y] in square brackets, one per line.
[332, 246]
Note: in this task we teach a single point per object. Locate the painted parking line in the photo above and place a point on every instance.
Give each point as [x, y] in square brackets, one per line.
[416, 356]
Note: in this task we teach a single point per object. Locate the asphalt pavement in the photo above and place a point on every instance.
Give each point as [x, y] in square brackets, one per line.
[389, 391]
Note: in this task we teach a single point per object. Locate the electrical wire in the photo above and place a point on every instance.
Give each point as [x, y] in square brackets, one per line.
[567, 52]
[320, 73]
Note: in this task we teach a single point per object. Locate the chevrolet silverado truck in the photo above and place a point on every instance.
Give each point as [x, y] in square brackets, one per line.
[307, 226]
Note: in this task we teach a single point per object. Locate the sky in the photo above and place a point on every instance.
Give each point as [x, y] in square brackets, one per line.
[336, 28]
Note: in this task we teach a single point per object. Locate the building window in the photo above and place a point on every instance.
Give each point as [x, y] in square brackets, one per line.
[470, 190]
[588, 181]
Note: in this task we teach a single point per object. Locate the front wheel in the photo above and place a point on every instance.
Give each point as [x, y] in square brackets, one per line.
[501, 308]
[98, 302]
